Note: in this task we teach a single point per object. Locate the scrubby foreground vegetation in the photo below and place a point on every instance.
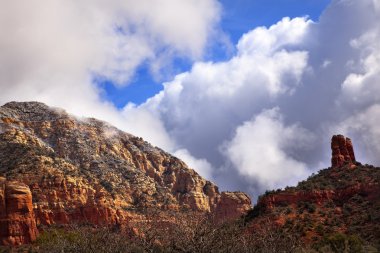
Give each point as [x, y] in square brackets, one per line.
[188, 233]
[327, 206]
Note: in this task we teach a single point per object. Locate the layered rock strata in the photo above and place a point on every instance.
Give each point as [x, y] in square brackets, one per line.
[86, 171]
[17, 221]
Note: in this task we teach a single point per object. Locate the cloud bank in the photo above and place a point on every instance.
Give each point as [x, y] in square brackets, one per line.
[260, 120]
[52, 51]
[264, 118]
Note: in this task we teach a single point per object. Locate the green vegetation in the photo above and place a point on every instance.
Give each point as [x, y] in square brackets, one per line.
[189, 233]
[339, 242]
[339, 206]
[340, 178]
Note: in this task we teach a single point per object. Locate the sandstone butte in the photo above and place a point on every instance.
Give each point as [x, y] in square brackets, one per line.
[58, 169]
[342, 154]
[343, 198]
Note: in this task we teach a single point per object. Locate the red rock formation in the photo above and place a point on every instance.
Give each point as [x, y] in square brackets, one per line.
[232, 205]
[318, 197]
[66, 200]
[290, 198]
[17, 222]
[347, 196]
[86, 171]
[342, 151]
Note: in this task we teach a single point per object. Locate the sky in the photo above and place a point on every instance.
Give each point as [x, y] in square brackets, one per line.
[248, 93]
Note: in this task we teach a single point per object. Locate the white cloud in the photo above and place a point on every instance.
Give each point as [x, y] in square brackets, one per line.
[258, 151]
[143, 123]
[365, 125]
[317, 74]
[359, 100]
[202, 166]
[51, 49]
[362, 86]
[286, 33]
[201, 109]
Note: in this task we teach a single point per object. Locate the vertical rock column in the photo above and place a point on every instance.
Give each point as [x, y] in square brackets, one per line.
[17, 222]
[342, 151]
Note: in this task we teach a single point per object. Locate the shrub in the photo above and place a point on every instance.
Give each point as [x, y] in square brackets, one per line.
[339, 242]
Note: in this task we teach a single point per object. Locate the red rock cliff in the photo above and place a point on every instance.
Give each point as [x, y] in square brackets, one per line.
[17, 222]
[86, 171]
[232, 205]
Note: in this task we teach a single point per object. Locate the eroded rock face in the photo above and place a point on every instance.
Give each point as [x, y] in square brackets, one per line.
[17, 221]
[318, 197]
[232, 205]
[86, 171]
[342, 151]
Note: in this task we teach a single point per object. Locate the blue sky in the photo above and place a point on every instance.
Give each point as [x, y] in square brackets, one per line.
[238, 17]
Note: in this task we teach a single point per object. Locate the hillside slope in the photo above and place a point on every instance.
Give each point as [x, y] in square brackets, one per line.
[342, 199]
[86, 171]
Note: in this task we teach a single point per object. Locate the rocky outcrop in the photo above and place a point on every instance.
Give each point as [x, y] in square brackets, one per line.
[317, 197]
[64, 200]
[232, 205]
[86, 171]
[335, 200]
[17, 222]
[342, 151]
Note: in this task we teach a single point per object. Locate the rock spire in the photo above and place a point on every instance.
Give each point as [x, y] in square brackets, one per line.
[342, 151]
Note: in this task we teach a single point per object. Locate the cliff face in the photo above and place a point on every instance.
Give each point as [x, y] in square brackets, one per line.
[86, 171]
[17, 223]
[337, 199]
[231, 205]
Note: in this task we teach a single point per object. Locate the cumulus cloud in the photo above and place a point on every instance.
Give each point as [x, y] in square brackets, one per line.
[52, 51]
[208, 102]
[362, 86]
[258, 151]
[321, 76]
[202, 108]
[141, 122]
[364, 124]
[202, 166]
[58, 47]
[286, 33]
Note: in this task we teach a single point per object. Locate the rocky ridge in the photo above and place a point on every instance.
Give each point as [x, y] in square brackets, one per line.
[86, 171]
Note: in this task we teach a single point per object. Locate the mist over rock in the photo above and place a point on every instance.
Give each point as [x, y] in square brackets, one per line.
[87, 171]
